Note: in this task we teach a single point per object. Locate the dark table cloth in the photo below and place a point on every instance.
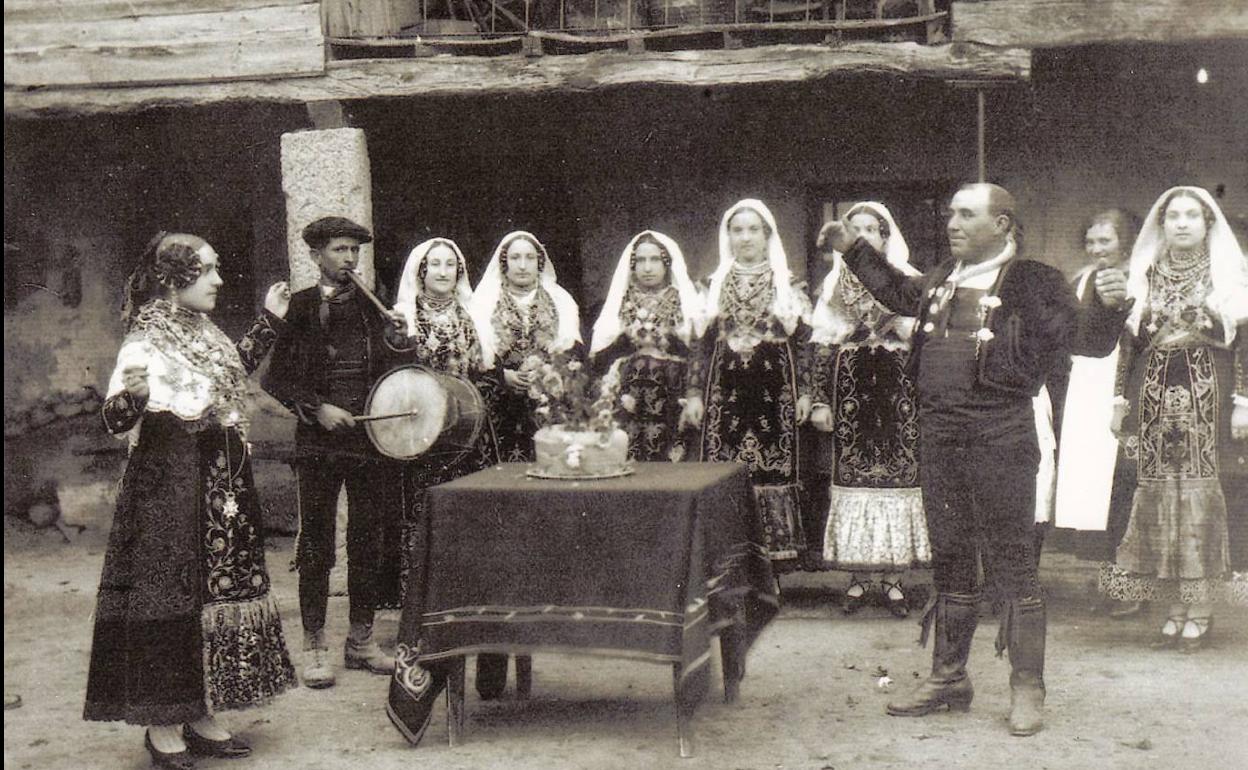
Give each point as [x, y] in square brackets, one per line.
[648, 566]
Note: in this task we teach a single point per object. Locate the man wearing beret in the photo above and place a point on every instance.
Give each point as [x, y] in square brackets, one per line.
[323, 371]
[992, 326]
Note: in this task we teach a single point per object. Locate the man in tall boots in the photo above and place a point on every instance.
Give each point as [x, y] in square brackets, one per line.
[323, 371]
[991, 325]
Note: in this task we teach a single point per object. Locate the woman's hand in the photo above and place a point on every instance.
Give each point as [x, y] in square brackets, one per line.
[277, 300]
[803, 409]
[691, 415]
[1117, 418]
[134, 380]
[1239, 422]
[517, 381]
[821, 418]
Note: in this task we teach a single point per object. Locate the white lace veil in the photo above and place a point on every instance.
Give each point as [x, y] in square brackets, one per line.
[1227, 265]
[827, 327]
[485, 298]
[786, 306]
[410, 284]
[607, 327]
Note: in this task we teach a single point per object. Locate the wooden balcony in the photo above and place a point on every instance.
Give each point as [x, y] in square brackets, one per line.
[417, 28]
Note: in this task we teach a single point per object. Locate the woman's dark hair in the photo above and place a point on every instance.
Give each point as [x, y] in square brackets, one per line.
[648, 238]
[541, 252]
[1210, 219]
[170, 261]
[1126, 226]
[885, 230]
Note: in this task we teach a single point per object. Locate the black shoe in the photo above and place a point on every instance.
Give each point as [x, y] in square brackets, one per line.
[230, 748]
[855, 603]
[899, 608]
[173, 760]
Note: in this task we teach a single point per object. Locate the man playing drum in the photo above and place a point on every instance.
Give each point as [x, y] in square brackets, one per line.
[339, 345]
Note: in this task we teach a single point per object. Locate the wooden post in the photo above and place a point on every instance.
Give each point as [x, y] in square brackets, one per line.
[684, 730]
[327, 114]
[981, 134]
[524, 677]
[455, 702]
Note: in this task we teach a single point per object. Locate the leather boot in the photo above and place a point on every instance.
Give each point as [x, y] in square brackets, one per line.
[955, 616]
[318, 672]
[491, 676]
[1025, 639]
[362, 652]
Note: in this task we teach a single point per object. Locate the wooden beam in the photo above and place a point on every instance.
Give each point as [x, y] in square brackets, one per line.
[276, 40]
[27, 11]
[465, 75]
[1053, 23]
[326, 115]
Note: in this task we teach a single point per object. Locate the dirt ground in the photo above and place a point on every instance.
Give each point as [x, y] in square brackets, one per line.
[811, 698]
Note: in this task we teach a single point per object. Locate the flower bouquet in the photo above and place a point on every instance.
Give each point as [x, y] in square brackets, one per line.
[579, 436]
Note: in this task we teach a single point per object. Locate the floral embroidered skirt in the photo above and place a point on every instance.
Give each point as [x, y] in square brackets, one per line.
[875, 516]
[1176, 547]
[185, 623]
[651, 413]
[751, 417]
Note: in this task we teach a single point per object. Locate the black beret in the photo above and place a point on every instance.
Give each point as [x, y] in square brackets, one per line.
[324, 229]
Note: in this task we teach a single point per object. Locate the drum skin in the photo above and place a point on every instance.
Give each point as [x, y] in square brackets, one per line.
[441, 413]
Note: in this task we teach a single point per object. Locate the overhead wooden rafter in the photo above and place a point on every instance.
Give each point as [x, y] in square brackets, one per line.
[1058, 23]
[347, 81]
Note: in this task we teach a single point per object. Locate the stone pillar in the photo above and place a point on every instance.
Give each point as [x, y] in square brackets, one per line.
[326, 173]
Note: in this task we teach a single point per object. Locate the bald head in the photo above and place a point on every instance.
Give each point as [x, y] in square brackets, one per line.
[981, 219]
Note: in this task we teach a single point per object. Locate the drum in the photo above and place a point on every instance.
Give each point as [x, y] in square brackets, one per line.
[414, 411]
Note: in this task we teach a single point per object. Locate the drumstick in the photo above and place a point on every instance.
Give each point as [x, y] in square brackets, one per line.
[359, 281]
[391, 416]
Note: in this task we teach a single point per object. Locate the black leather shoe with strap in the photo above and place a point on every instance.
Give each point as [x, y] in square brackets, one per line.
[169, 760]
[230, 748]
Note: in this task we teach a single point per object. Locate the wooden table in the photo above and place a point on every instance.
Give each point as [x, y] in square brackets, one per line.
[648, 567]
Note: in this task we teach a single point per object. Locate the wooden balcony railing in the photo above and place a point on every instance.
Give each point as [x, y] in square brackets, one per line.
[406, 28]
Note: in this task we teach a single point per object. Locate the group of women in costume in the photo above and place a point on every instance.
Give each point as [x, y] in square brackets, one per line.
[727, 372]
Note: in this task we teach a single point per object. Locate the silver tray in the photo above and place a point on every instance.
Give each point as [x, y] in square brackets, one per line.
[536, 473]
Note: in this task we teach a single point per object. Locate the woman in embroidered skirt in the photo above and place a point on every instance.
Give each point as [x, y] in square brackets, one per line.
[1182, 402]
[184, 623]
[875, 521]
[645, 333]
[750, 388]
[433, 296]
[520, 310]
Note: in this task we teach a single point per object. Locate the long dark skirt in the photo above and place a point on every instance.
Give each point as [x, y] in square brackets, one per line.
[1177, 546]
[751, 417]
[655, 387]
[184, 622]
[875, 515]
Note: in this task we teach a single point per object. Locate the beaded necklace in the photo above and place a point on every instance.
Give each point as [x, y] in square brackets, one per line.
[1178, 282]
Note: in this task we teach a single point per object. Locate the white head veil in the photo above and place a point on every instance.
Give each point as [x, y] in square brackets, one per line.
[485, 298]
[828, 328]
[410, 284]
[607, 327]
[786, 306]
[1227, 267]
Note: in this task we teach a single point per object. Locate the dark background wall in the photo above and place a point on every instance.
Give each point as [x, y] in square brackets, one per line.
[1097, 126]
